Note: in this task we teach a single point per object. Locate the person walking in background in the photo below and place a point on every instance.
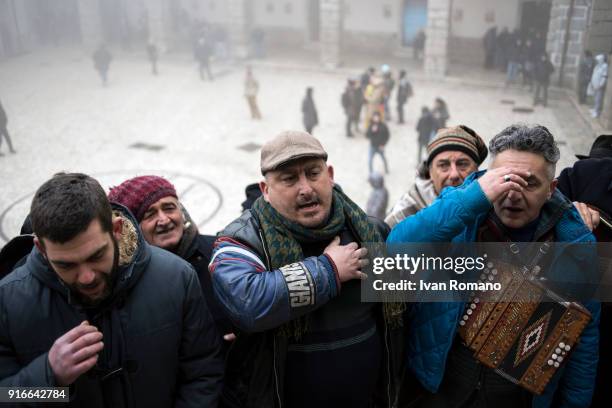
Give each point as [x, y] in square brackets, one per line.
[404, 92]
[251, 87]
[543, 70]
[4, 131]
[418, 45]
[349, 104]
[488, 43]
[374, 97]
[585, 73]
[202, 55]
[529, 58]
[309, 111]
[102, 59]
[514, 61]
[597, 86]
[425, 127]
[388, 85]
[440, 113]
[357, 103]
[379, 197]
[501, 49]
[153, 55]
[378, 133]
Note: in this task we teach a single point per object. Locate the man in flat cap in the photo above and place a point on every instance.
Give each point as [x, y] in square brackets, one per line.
[452, 155]
[288, 274]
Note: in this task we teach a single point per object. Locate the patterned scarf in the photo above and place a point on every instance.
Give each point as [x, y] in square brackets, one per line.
[283, 238]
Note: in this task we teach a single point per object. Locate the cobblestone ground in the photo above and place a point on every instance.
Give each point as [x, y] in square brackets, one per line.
[199, 134]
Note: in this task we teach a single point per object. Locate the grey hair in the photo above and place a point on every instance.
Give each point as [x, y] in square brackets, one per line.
[536, 139]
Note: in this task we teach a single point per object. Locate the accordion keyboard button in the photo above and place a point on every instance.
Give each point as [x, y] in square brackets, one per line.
[558, 350]
[556, 365]
[554, 356]
[567, 348]
[550, 362]
[562, 345]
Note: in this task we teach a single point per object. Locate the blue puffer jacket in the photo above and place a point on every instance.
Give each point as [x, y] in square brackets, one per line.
[455, 216]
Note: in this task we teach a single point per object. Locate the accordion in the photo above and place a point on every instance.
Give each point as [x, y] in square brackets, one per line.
[525, 341]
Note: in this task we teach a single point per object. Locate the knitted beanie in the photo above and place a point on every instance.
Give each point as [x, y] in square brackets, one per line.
[459, 138]
[139, 193]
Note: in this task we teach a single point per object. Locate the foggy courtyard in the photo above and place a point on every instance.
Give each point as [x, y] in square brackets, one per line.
[199, 133]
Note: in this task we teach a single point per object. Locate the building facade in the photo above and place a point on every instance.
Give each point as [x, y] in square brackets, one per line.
[454, 29]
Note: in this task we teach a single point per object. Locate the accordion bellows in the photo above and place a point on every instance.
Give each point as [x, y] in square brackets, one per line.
[525, 341]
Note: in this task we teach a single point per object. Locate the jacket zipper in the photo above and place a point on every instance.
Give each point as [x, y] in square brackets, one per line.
[280, 404]
[278, 397]
[387, 349]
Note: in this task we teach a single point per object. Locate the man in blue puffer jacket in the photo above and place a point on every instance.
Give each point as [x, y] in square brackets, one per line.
[517, 195]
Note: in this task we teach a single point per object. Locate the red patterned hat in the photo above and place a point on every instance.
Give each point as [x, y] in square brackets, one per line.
[139, 193]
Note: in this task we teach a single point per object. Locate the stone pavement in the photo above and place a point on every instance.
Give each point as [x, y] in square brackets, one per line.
[200, 136]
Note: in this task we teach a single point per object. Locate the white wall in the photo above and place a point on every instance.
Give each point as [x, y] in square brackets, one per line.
[283, 13]
[468, 18]
[369, 16]
[212, 11]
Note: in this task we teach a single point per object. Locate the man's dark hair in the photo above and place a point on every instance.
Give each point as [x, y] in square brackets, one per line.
[65, 205]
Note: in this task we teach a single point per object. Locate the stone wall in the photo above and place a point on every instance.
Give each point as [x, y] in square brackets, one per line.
[330, 32]
[557, 37]
[436, 43]
[371, 43]
[91, 23]
[467, 51]
[239, 26]
[600, 30]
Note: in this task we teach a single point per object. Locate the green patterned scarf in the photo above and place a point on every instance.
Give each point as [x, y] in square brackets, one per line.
[283, 239]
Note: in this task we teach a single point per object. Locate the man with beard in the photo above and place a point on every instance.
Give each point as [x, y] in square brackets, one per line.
[165, 223]
[288, 274]
[97, 309]
[514, 201]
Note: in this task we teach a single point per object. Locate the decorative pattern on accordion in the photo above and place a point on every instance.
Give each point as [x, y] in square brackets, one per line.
[526, 341]
[557, 348]
[532, 338]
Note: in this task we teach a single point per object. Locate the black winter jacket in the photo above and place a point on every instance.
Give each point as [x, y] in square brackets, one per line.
[157, 331]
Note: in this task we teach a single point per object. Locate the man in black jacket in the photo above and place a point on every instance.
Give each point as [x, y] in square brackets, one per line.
[378, 133]
[97, 309]
[4, 131]
[165, 223]
[288, 274]
[588, 183]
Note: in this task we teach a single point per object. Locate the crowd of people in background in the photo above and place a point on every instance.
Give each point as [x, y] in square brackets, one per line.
[135, 306]
[523, 57]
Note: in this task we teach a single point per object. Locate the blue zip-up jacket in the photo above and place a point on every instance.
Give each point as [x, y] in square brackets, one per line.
[456, 216]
